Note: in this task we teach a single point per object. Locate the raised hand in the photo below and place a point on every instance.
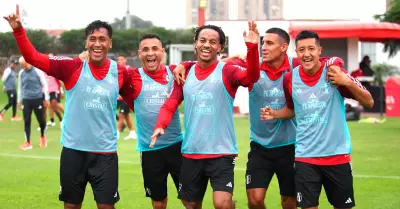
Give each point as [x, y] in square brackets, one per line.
[253, 36]
[157, 133]
[267, 113]
[337, 76]
[14, 19]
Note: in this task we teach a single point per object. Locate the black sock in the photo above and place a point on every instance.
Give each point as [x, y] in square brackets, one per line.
[52, 120]
[59, 116]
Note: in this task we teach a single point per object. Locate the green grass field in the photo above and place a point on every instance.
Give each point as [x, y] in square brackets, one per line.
[30, 179]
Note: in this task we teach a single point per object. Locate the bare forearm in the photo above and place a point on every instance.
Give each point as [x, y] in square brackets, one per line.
[361, 95]
[284, 113]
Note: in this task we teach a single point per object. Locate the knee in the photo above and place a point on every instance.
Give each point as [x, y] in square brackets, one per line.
[288, 202]
[160, 204]
[223, 204]
[255, 202]
[72, 206]
[105, 206]
[192, 205]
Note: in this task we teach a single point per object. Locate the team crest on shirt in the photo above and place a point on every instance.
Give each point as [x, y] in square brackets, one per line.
[166, 78]
[326, 88]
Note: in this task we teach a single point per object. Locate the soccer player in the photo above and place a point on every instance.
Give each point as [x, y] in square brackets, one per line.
[89, 146]
[323, 147]
[124, 108]
[55, 92]
[209, 146]
[272, 142]
[10, 87]
[30, 84]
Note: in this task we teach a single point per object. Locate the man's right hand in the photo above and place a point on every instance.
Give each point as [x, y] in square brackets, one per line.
[157, 133]
[14, 19]
[19, 106]
[179, 74]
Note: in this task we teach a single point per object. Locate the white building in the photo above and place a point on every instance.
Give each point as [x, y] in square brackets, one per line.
[352, 19]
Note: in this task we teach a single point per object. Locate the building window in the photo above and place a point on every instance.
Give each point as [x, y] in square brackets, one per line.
[266, 9]
[194, 16]
[370, 50]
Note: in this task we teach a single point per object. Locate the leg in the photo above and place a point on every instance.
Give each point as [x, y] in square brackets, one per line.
[285, 174]
[14, 103]
[121, 120]
[338, 185]
[221, 175]
[51, 112]
[73, 178]
[192, 183]
[10, 96]
[27, 113]
[308, 183]
[38, 109]
[54, 108]
[155, 176]
[129, 122]
[259, 173]
[103, 177]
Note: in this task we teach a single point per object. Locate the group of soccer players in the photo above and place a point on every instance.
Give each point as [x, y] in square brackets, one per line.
[298, 127]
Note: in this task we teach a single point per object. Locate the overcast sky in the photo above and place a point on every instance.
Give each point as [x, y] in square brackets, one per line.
[67, 14]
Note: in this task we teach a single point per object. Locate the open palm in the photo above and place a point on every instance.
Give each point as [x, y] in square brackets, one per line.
[253, 36]
[14, 19]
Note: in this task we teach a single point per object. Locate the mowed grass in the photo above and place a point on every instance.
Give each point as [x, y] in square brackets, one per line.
[30, 179]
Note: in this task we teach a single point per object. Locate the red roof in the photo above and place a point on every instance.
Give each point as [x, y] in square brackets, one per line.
[365, 31]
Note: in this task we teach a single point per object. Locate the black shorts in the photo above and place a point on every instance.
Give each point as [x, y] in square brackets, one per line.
[195, 174]
[123, 107]
[54, 95]
[336, 179]
[79, 167]
[156, 165]
[263, 163]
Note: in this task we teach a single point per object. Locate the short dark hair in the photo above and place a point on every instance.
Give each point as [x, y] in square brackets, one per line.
[305, 34]
[281, 33]
[221, 34]
[150, 36]
[97, 24]
[121, 55]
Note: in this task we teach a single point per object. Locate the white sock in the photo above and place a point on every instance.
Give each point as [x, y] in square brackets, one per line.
[132, 132]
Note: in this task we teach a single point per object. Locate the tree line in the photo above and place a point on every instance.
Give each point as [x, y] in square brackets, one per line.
[73, 41]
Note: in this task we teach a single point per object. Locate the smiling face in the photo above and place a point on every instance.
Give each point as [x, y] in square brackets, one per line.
[151, 53]
[208, 45]
[98, 43]
[308, 51]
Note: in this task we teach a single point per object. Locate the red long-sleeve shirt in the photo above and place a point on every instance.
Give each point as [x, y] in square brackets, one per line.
[311, 80]
[232, 76]
[67, 69]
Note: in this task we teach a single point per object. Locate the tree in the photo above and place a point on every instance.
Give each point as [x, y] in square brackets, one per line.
[391, 15]
[8, 46]
[382, 71]
[41, 41]
[72, 41]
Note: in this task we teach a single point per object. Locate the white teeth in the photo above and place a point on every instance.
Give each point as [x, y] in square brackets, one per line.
[205, 51]
[97, 50]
